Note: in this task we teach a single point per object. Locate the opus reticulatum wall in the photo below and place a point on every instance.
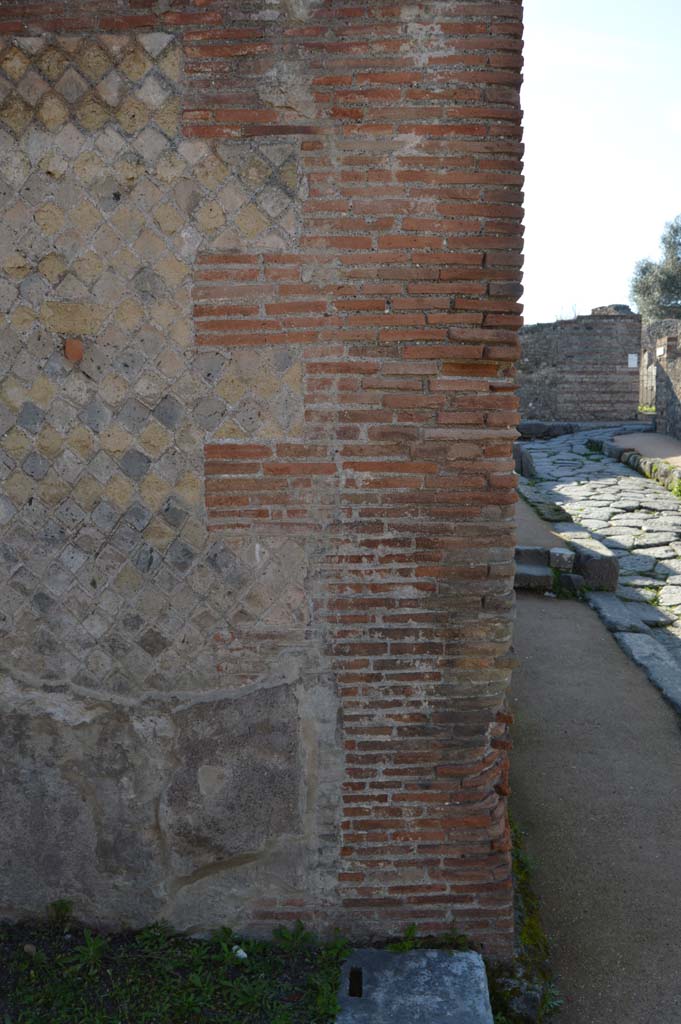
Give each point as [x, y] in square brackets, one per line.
[260, 270]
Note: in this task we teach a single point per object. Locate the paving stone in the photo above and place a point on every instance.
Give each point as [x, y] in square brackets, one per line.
[654, 539]
[635, 564]
[617, 615]
[670, 597]
[653, 616]
[667, 568]
[638, 594]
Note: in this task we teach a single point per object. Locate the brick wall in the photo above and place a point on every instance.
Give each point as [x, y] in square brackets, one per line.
[258, 542]
[579, 369]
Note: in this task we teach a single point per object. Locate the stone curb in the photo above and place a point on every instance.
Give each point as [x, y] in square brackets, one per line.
[544, 430]
[617, 615]
[659, 666]
[659, 470]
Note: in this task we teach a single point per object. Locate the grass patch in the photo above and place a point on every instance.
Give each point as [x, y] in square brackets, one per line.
[58, 973]
[453, 940]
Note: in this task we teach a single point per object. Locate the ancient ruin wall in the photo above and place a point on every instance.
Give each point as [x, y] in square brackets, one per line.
[257, 543]
[668, 383]
[582, 369]
[653, 337]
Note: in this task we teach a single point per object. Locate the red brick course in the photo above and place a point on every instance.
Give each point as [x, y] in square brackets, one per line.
[407, 467]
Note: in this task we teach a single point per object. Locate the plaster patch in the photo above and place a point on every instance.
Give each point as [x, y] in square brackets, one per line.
[301, 10]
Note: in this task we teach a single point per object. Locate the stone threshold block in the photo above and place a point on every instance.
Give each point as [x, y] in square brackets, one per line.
[533, 577]
[424, 986]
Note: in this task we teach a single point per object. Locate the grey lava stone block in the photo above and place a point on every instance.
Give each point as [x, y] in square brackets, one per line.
[562, 558]
[421, 987]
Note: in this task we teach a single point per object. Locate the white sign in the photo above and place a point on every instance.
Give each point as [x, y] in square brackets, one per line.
[633, 361]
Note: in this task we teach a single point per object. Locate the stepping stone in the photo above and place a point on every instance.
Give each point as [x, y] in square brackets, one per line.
[562, 558]
[533, 577]
[531, 556]
[425, 986]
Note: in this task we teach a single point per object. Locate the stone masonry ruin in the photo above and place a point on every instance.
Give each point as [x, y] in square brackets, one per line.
[260, 269]
[665, 364]
[584, 369]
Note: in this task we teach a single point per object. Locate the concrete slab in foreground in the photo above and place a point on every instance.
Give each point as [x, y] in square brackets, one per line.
[425, 986]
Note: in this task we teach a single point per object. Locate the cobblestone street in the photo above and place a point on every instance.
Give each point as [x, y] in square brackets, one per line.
[636, 518]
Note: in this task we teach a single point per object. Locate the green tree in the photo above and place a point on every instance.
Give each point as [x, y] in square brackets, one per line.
[656, 287]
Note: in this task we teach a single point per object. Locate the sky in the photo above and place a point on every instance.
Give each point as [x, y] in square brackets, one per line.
[602, 101]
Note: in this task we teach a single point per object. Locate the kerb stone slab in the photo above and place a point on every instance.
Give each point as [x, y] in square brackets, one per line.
[421, 987]
[660, 667]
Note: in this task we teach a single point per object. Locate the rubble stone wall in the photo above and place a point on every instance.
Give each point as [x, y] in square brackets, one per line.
[668, 385]
[260, 268]
[581, 369]
[653, 345]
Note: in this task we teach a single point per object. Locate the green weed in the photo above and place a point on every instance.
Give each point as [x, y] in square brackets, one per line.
[50, 975]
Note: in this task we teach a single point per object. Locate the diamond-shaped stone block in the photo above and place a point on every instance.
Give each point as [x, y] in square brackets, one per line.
[72, 86]
[52, 113]
[14, 63]
[16, 114]
[93, 61]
